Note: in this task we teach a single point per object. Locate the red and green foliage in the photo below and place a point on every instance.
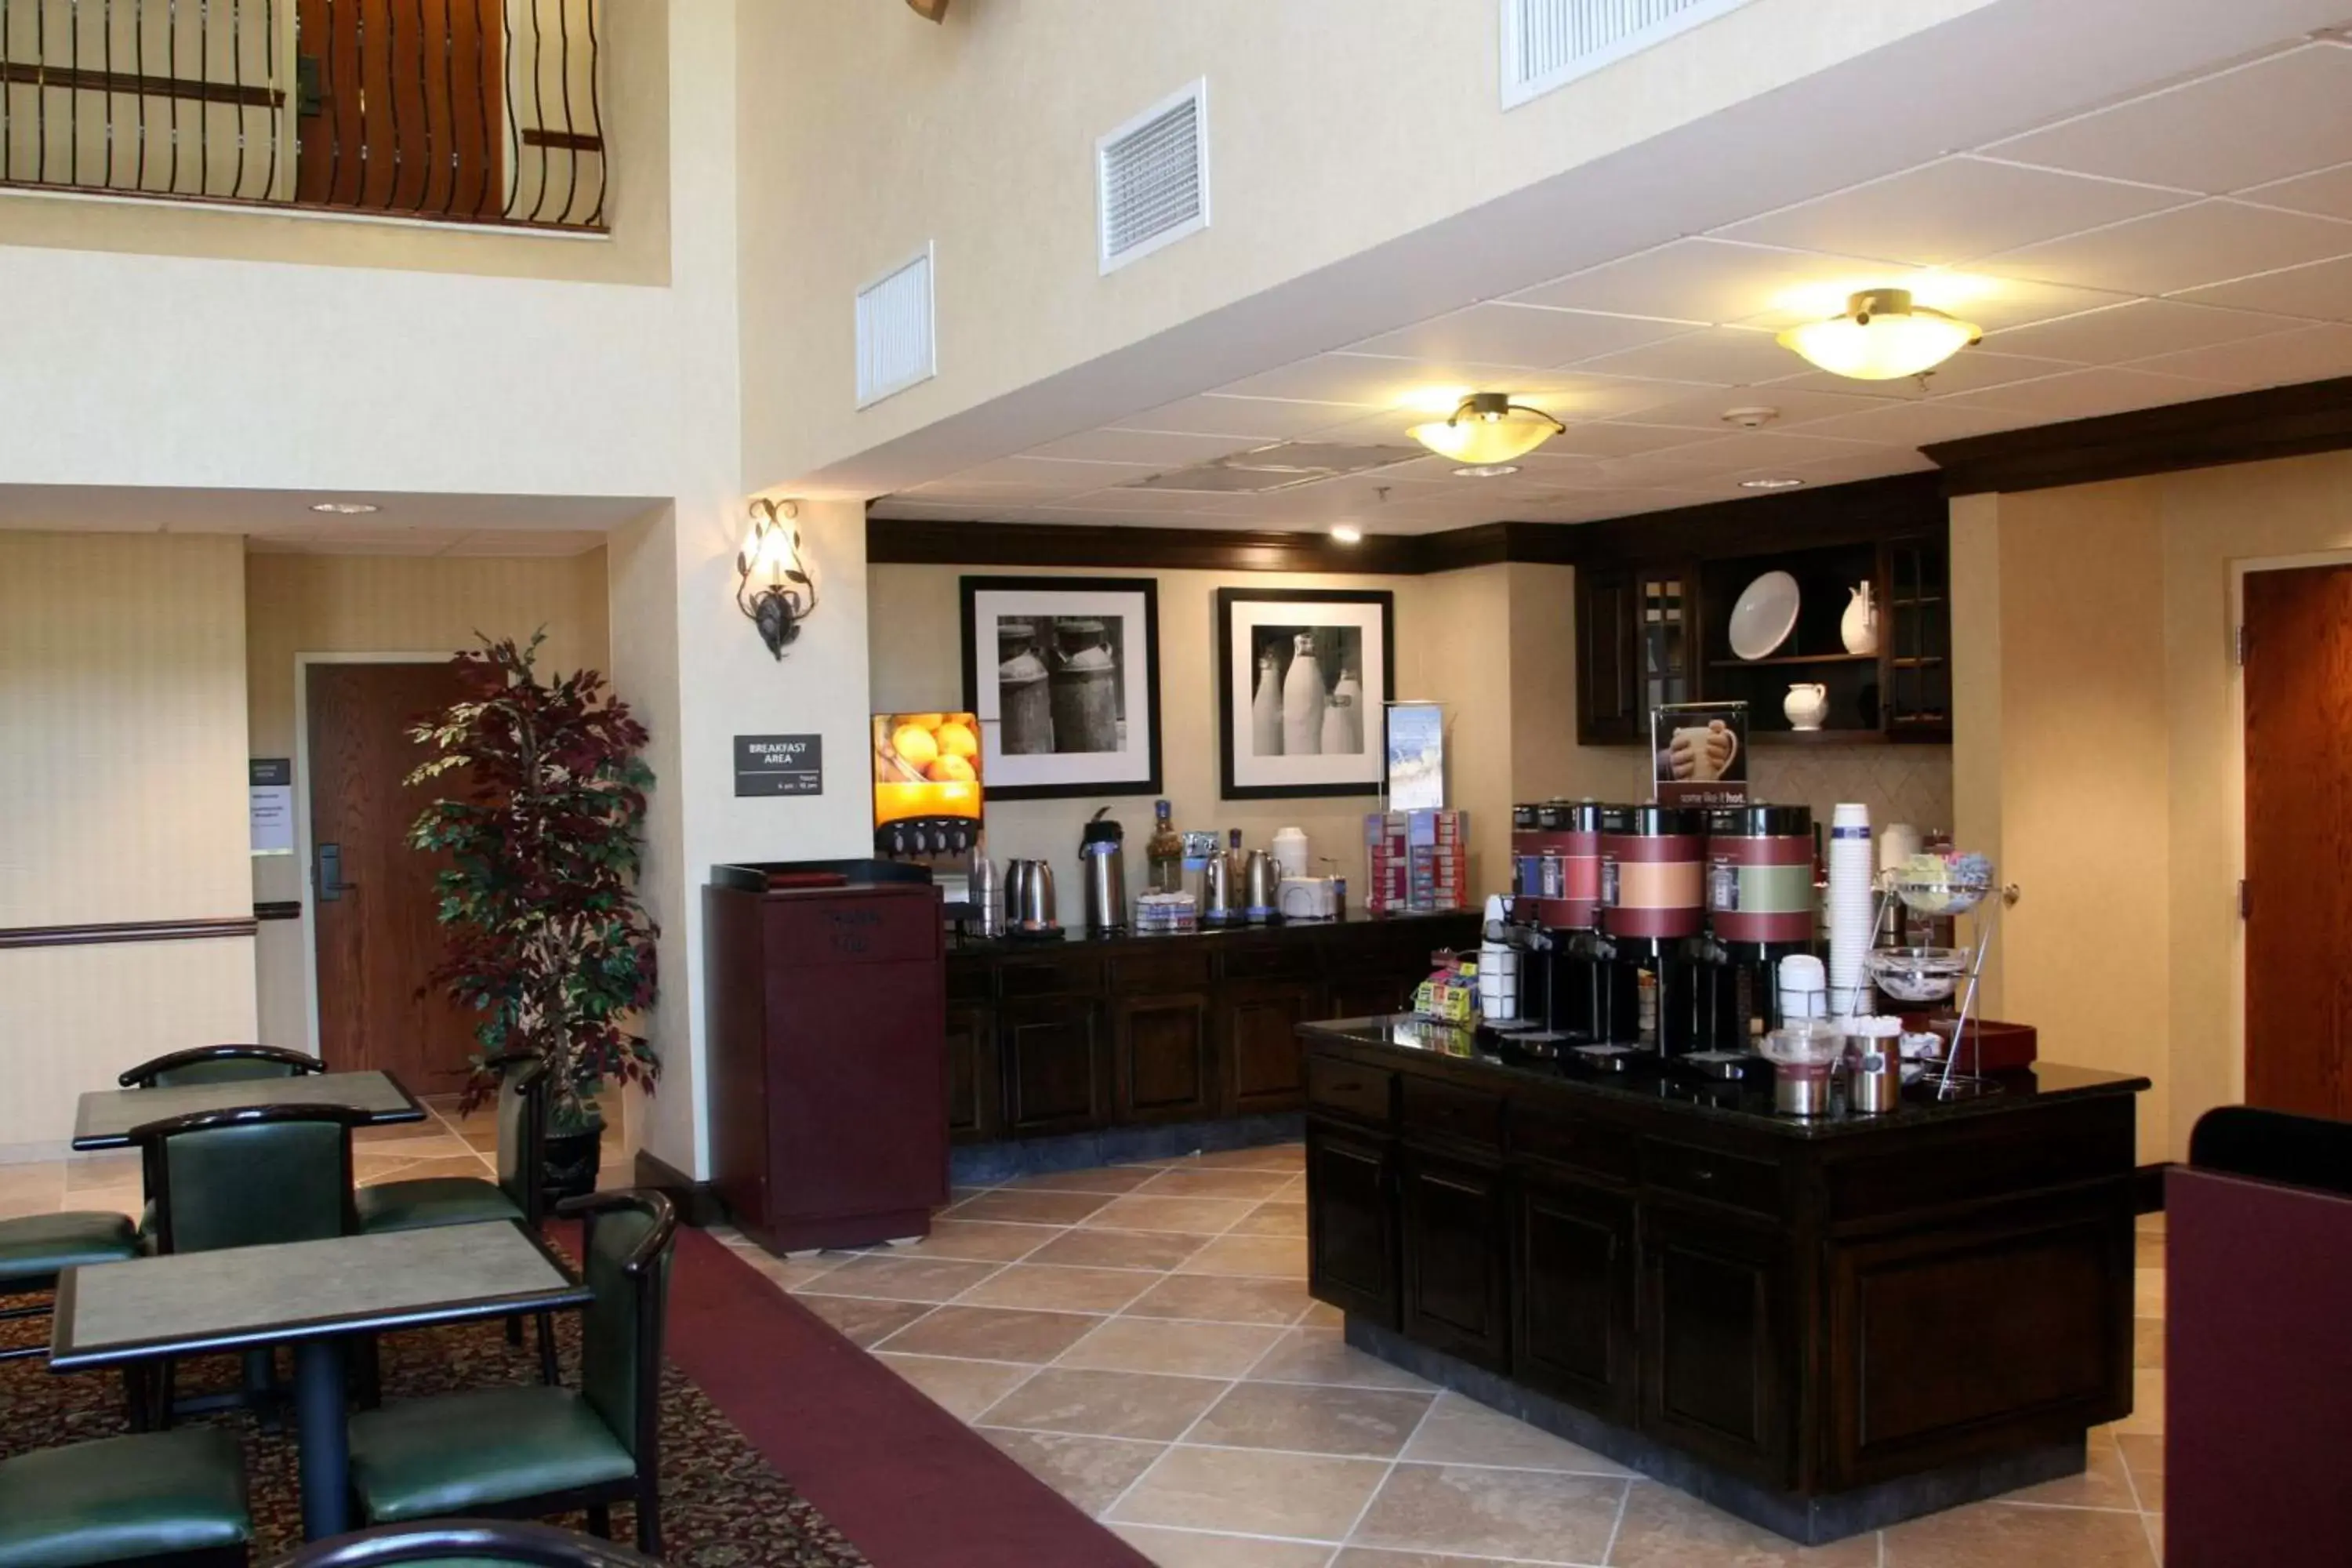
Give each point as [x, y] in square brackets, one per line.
[548, 941]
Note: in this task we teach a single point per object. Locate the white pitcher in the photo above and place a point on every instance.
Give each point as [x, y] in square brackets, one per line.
[1807, 704]
[1859, 627]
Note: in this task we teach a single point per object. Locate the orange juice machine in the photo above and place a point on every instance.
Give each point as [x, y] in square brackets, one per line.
[927, 799]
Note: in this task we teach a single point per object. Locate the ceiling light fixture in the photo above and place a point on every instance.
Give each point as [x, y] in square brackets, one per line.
[1487, 428]
[345, 508]
[1347, 533]
[1883, 336]
[1769, 484]
[1486, 470]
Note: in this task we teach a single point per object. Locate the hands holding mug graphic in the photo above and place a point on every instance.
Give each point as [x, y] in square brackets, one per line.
[1701, 753]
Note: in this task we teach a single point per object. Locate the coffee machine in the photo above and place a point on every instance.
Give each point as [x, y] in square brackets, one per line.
[1759, 910]
[1571, 992]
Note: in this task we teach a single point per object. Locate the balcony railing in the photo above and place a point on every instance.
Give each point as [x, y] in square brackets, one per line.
[469, 111]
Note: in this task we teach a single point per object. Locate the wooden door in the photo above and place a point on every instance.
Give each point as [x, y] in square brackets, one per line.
[401, 106]
[1573, 1332]
[2298, 683]
[1263, 1066]
[373, 896]
[1054, 1064]
[1456, 1251]
[1351, 1233]
[1164, 1062]
[1609, 688]
[1712, 1333]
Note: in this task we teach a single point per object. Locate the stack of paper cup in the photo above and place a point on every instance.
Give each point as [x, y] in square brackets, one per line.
[1804, 988]
[1852, 912]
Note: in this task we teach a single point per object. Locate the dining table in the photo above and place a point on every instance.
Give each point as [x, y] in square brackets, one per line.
[108, 1116]
[317, 1297]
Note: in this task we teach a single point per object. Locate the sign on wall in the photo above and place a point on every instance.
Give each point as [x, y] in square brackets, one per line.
[269, 795]
[779, 764]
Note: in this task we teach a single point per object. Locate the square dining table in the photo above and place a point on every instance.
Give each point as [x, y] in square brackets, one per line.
[316, 1296]
[107, 1115]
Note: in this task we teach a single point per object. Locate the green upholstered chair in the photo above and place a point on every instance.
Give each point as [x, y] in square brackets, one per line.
[219, 1064]
[168, 1500]
[36, 1250]
[520, 1452]
[469, 1200]
[467, 1543]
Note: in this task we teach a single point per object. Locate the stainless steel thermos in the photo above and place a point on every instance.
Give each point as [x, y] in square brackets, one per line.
[982, 893]
[1029, 896]
[1103, 861]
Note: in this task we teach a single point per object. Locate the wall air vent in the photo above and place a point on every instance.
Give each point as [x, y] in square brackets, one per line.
[1152, 177]
[1284, 466]
[897, 345]
[1549, 43]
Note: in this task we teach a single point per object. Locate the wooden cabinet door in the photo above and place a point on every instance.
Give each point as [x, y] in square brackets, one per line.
[1263, 1065]
[1608, 667]
[1713, 1305]
[1163, 1060]
[975, 1086]
[1352, 1229]
[1915, 638]
[1053, 1062]
[1573, 1329]
[1457, 1258]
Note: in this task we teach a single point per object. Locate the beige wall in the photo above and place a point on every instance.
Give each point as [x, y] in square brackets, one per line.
[122, 699]
[298, 604]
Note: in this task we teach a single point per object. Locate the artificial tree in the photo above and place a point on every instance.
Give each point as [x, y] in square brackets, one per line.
[549, 944]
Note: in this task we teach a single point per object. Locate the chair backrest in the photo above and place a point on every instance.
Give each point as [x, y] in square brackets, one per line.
[219, 1064]
[523, 1134]
[2274, 1146]
[626, 1238]
[467, 1543]
[251, 1176]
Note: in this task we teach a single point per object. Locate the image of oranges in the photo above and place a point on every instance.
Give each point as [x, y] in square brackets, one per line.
[915, 745]
[950, 770]
[956, 740]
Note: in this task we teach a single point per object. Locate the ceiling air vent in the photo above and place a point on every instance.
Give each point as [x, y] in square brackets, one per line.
[1549, 43]
[1281, 467]
[896, 344]
[1153, 177]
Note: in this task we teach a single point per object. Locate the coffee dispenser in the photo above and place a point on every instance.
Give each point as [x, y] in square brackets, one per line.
[1652, 900]
[1572, 992]
[1759, 910]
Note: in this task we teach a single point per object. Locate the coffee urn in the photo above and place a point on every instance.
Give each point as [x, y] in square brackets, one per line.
[1103, 861]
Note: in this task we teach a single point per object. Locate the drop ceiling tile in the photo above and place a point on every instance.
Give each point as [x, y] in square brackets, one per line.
[2085, 394]
[1795, 405]
[1970, 369]
[1920, 423]
[2313, 353]
[1507, 335]
[2185, 247]
[944, 511]
[1709, 281]
[2286, 114]
[2327, 191]
[2134, 330]
[1876, 464]
[1716, 356]
[958, 490]
[1110, 516]
[1973, 296]
[1765, 448]
[1375, 381]
[2321, 292]
[1048, 475]
[1952, 211]
[1268, 418]
[1135, 499]
[1614, 438]
[1164, 449]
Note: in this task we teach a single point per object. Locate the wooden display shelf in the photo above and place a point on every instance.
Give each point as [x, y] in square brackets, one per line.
[1785, 659]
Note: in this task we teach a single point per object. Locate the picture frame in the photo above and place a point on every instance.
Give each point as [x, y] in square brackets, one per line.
[1293, 741]
[1063, 674]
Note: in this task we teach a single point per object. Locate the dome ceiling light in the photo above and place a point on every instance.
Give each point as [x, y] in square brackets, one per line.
[1487, 429]
[1883, 336]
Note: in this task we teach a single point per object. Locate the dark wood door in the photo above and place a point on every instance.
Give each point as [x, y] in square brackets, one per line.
[1265, 1066]
[1053, 1062]
[975, 1097]
[403, 109]
[1712, 1336]
[2299, 840]
[1457, 1258]
[373, 896]
[1163, 1059]
[1573, 1335]
[1351, 1234]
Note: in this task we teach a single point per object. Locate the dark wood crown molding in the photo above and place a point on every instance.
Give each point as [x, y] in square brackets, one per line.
[2241, 427]
[125, 931]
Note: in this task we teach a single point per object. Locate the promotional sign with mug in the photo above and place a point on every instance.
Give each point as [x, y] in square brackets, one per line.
[1700, 751]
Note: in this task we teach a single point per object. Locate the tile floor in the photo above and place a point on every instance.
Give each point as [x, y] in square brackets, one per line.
[1141, 1339]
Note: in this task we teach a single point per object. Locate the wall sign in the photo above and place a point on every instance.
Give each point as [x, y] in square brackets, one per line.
[269, 795]
[779, 764]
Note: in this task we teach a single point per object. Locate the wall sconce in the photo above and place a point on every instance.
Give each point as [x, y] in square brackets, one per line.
[772, 584]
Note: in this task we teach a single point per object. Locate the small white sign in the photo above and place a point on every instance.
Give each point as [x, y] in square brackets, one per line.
[269, 795]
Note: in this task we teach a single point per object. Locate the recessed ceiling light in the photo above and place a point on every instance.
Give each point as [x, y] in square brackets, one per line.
[345, 508]
[1769, 484]
[1347, 533]
[1486, 470]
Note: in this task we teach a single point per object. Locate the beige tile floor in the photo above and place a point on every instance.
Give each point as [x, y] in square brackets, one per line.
[1141, 1339]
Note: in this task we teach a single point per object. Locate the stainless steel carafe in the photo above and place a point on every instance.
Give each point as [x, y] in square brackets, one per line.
[1103, 863]
[1261, 888]
[984, 895]
[1217, 906]
[1034, 913]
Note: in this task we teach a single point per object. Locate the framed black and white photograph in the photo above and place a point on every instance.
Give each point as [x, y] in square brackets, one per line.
[1304, 676]
[1064, 673]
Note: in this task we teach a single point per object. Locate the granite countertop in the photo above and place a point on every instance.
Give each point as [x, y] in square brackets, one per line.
[1746, 1103]
[1075, 935]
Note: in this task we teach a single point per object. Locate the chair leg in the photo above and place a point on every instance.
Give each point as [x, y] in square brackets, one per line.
[136, 1404]
[649, 1518]
[165, 1393]
[514, 1329]
[549, 1373]
[600, 1521]
[367, 1371]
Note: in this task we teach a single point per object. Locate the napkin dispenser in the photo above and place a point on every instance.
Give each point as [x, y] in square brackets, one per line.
[1308, 899]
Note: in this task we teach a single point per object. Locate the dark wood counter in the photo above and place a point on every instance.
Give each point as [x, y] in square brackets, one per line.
[1822, 1325]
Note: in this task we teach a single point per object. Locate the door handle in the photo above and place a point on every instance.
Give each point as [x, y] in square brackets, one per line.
[332, 885]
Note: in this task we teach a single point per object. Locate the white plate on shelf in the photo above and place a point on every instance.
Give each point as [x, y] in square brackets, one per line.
[1765, 616]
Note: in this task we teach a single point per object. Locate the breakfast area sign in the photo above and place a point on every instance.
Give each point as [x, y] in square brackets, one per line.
[1700, 754]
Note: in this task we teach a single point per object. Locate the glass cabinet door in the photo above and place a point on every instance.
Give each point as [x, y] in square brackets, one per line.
[1665, 625]
[1919, 651]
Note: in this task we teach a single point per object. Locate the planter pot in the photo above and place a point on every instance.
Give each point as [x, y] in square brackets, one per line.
[571, 1162]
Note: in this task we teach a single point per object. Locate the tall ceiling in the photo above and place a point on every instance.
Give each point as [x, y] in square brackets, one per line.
[283, 522]
[2187, 242]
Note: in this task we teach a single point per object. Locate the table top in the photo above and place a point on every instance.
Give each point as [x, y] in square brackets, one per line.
[190, 1303]
[107, 1115]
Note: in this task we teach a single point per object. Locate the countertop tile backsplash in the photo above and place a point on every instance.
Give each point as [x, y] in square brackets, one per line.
[1899, 783]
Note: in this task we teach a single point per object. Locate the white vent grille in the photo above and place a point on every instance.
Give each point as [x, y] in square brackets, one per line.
[896, 343]
[1549, 43]
[1153, 177]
